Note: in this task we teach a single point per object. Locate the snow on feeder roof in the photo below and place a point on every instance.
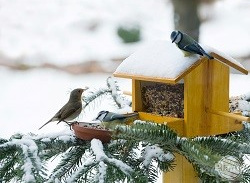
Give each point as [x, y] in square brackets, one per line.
[162, 61]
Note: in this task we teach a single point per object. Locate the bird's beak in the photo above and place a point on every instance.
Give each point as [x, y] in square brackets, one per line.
[175, 38]
[84, 89]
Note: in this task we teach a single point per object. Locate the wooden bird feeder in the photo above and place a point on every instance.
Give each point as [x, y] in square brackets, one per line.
[189, 94]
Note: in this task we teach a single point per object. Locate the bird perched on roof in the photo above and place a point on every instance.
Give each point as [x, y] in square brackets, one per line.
[110, 119]
[187, 44]
[71, 109]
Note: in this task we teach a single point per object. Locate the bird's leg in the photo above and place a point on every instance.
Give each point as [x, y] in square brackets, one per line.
[70, 126]
[68, 123]
[74, 122]
[64, 122]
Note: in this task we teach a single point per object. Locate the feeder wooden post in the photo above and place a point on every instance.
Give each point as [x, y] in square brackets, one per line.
[206, 87]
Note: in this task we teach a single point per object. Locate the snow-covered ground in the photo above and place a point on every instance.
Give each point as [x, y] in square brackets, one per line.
[63, 31]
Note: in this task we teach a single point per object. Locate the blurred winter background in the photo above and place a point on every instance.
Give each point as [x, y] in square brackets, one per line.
[48, 48]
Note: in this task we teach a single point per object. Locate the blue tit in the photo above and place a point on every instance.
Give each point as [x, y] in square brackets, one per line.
[187, 44]
[110, 119]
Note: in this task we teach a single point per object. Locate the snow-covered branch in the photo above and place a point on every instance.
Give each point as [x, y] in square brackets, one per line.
[30, 156]
[120, 100]
[88, 163]
[65, 136]
[97, 148]
[240, 104]
[27, 154]
[30, 163]
[154, 151]
[111, 90]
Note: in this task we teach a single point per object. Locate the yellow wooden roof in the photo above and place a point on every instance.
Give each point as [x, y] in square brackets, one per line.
[162, 61]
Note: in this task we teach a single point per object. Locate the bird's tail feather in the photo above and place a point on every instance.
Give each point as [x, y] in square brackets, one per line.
[130, 117]
[45, 124]
[132, 114]
[204, 52]
[207, 55]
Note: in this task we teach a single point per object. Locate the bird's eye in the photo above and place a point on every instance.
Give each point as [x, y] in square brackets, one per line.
[79, 91]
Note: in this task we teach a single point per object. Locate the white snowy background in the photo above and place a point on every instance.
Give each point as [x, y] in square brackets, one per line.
[64, 32]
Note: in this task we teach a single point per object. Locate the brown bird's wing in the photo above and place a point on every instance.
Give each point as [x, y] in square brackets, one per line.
[67, 113]
[71, 111]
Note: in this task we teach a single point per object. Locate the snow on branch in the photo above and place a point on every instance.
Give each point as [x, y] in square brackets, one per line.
[31, 160]
[95, 95]
[97, 148]
[102, 172]
[112, 89]
[120, 100]
[83, 169]
[240, 104]
[27, 154]
[154, 151]
[65, 136]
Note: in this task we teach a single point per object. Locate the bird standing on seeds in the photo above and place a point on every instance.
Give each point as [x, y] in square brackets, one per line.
[187, 44]
[110, 119]
[71, 109]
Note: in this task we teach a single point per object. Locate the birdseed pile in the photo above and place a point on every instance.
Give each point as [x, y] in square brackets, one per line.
[164, 99]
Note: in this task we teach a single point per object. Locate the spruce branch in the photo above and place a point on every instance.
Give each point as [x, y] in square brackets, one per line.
[112, 89]
[242, 136]
[26, 162]
[245, 174]
[224, 146]
[128, 151]
[9, 156]
[85, 172]
[154, 152]
[54, 146]
[93, 96]
[154, 159]
[203, 152]
[137, 154]
[23, 157]
[3, 141]
[69, 163]
[112, 85]
[202, 158]
[101, 157]
[120, 100]
[149, 132]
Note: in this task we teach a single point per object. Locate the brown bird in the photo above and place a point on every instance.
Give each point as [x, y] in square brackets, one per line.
[71, 109]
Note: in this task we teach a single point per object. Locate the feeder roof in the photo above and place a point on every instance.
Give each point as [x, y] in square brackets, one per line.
[162, 61]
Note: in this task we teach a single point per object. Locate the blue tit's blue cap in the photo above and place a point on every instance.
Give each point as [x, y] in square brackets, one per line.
[173, 35]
